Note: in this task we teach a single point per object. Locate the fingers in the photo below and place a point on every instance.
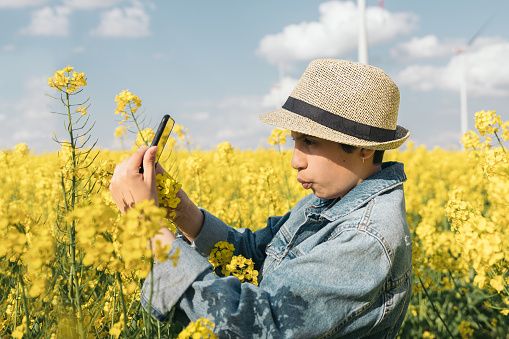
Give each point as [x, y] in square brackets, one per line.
[128, 186]
[134, 161]
[149, 159]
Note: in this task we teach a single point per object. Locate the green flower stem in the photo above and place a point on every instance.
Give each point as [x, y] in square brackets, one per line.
[25, 305]
[16, 307]
[73, 151]
[122, 302]
[434, 308]
[97, 310]
[500, 142]
[145, 321]
[131, 305]
[73, 279]
[139, 130]
[114, 306]
[149, 308]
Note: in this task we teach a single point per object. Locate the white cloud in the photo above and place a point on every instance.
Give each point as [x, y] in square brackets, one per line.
[79, 49]
[243, 128]
[200, 116]
[91, 4]
[487, 71]
[485, 41]
[21, 3]
[279, 93]
[426, 47]
[128, 22]
[232, 119]
[8, 48]
[444, 139]
[49, 21]
[335, 34]
[235, 118]
[159, 55]
[29, 119]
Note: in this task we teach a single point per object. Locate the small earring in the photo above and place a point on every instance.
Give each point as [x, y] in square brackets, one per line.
[362, 159]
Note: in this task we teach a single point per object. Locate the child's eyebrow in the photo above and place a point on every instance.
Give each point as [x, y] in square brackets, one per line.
[300, 136]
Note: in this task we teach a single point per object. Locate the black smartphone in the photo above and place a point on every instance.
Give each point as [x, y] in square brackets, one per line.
[161, 136]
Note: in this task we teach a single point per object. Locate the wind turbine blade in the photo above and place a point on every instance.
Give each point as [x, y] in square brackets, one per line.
[480, 30]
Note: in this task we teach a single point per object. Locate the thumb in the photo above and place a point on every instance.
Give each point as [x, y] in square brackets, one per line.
[149, 160]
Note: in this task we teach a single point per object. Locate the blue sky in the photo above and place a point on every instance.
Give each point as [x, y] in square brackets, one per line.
[215, 65]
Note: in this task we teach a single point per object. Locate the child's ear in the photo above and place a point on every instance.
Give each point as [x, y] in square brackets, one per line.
[366, 153]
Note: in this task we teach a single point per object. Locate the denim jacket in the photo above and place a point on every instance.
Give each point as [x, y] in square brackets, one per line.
[328, 269]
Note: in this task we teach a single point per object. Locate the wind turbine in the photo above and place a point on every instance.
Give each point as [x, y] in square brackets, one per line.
[463, 88]
[463, 77]
[362, 51]
[363, 33]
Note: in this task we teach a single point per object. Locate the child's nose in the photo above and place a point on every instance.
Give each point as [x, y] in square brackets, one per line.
[298, 159]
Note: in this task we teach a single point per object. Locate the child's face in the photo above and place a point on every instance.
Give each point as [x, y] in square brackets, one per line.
[324, 167]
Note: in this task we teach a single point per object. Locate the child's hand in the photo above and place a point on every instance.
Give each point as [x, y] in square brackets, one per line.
[128, 186]
[165, 236]
[188, 218]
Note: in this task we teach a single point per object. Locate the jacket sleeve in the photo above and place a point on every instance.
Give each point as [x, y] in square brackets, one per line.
[246, 242]
[308, 296]
[167, 282]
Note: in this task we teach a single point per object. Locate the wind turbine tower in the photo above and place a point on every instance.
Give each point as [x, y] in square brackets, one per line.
[463, 77]
[363, 33]
[463, 90]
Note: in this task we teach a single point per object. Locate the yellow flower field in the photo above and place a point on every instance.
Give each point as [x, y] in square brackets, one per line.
[71, 266]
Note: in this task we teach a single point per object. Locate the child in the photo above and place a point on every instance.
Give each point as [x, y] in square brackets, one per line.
[339, 263]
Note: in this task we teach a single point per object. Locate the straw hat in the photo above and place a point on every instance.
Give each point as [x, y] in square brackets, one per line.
[345, 102]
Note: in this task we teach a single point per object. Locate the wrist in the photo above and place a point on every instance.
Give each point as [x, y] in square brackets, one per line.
[165, 236]
[189, 220]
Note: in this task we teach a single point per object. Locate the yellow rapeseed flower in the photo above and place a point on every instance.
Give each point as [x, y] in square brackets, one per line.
[67, 83]
[167, 189]
[21, 148]
[486, 122]
[178, 130]
[144, 137]
[278, 136]
[116, 329]
[161, 252]
[200, 328]
[126, 98]
[498, 283]
[238, 266]
[428, 335]
[221, 254]
[465, 330]
[82, 110]
[224, 151]
[119, 131]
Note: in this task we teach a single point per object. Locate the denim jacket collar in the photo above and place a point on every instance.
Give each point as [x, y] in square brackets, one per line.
[391, 175]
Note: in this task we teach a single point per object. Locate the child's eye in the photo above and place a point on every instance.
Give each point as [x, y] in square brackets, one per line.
[308, 141]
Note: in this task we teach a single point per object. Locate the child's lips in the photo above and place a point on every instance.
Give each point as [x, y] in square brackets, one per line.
[305, 184]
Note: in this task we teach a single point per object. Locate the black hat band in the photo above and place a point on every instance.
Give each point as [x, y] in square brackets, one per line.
[338, 123]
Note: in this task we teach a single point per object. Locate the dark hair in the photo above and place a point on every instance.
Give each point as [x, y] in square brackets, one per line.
[377, 157]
